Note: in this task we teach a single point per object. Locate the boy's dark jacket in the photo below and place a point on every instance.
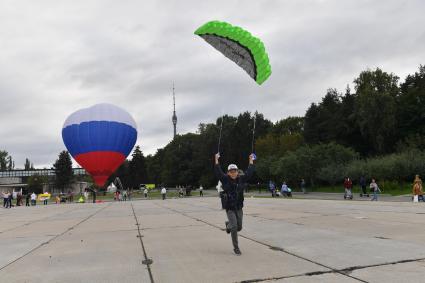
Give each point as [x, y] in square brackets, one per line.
[232, 196]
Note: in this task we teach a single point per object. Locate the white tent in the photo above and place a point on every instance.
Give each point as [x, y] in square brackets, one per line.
[111, 188]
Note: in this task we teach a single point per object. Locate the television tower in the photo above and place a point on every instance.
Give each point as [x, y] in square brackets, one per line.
[174, 119]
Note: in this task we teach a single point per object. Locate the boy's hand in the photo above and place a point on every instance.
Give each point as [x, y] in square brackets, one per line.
[217, 157]
[251, 158]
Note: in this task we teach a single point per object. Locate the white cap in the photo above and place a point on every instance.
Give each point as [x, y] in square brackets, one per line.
[232, 167]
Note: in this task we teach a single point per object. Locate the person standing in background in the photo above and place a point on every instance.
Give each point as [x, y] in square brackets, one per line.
[27, 199]
[33, 199]
[302, 185]
[163, 193]
[417, 189]
[375, 189]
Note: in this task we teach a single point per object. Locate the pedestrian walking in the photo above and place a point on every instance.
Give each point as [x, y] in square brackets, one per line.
[362, 183]
[302, 185]
[201, 191]
[129, 194]
[375, 189]
[45, 198]
[27, 199]
[233, 187]
[94, 191]
[285, 190]
[145, 192]
[348, 188]
[86, 195]
[272, 188]
[163, 193]
[9, 200]
[19, 199]
[418, 194]
[70, 196]
[5, 198]
[33, 199]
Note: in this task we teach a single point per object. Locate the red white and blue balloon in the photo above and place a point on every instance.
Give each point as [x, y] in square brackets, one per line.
[100, 138]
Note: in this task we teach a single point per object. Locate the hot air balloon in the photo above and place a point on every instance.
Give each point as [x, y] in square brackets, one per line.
[100, 138]
[239, 46]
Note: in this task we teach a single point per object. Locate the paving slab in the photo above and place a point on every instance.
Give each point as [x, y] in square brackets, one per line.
[393, 273]
[190, 254]
[325, 278]
[111, 257]
[84, 254]
[290, 240]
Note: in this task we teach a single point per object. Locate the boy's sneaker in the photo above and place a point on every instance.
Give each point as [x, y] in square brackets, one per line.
[237, 251]
[227, 229]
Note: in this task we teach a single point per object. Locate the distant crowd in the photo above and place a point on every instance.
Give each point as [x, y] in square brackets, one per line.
[16, 198]
[31, 199]
[374, 190]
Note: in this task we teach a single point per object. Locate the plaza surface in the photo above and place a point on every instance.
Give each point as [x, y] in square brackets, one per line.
[182, 240]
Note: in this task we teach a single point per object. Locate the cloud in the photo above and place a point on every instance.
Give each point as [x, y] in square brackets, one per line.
[57, 57]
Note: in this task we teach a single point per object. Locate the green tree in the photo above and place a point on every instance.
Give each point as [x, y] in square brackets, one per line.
[272, 145]
[10, 163]
[313, 163]
[289, 126]
[35, 183]
[28, 165]
[411, 105]
[3, 160]
[376, 109]
[322, 121]
[154, 167]
[63, 171]
[137, 168]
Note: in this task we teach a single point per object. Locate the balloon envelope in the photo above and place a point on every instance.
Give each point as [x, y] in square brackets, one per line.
[100, 138]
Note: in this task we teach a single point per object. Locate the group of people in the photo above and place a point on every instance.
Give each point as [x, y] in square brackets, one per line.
[8, 198]
[182, 191]
[417, 191]
[373, 186]
[32, 198]
[122, 196]
[285, 191]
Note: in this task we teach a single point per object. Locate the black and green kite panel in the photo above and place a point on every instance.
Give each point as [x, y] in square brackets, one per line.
[239, 46]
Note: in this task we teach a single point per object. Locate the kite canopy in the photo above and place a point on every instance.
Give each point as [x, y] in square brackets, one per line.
[239, 46]
[100, 138]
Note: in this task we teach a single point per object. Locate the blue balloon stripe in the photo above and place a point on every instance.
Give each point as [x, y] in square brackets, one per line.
[99, 136]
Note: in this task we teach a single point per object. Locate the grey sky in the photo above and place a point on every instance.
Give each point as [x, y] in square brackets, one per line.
[59, 56]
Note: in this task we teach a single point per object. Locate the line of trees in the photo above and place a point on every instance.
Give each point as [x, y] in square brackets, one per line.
[377, 130]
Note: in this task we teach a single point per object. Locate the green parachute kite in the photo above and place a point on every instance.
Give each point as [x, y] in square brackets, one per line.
[239, 46]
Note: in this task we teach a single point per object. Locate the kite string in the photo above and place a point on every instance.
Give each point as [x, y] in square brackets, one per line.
[221, 129]
[253, 133]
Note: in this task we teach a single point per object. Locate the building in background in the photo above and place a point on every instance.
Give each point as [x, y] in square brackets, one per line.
[13, 180]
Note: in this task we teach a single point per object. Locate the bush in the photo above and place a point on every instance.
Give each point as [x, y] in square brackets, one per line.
[324, 162]
[399, 167]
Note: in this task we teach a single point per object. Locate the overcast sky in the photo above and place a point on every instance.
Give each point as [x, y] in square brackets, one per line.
[59, 56]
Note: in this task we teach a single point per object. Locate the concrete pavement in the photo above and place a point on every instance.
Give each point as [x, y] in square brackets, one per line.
[182, 240]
